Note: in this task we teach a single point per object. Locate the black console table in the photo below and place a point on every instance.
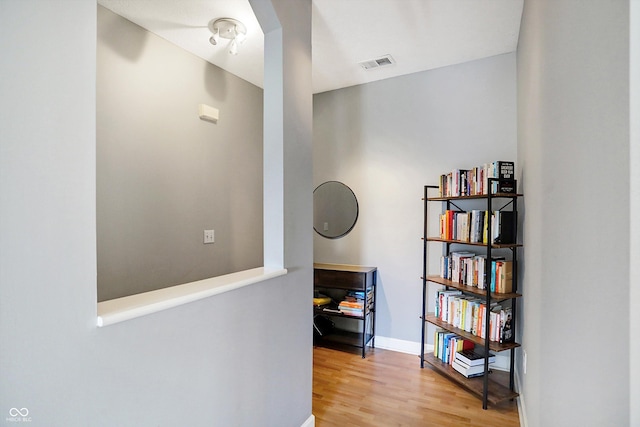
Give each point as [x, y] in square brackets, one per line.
[336, 281]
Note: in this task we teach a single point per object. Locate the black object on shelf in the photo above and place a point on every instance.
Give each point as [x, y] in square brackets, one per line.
[322, 326]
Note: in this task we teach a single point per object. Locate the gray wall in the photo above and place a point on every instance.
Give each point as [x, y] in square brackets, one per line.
[573, 149]
[164, 175]
[388, 139]
[634, 253]
[242, 358]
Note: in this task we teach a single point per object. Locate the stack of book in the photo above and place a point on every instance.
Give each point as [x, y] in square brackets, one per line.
[351, 308]
[471, 182]
[354, 302]
[470, 363]
[446, 344]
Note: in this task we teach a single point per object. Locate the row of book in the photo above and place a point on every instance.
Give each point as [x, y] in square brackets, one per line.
[475, 181]
[473, 226]
[469, 269]
[470, 314]
[354, 303]
[461, 354]
[446, 344]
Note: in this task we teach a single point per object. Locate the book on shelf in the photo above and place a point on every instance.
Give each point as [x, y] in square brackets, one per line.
[506, 330]
[474, 356]
[473, 226]
[501, 276]
[477, 222]
[475, 181]
[457, 265]
[445, 267]
[349, 304]
[472, 270]
[468, 371]
[495, 323]
[469, 269]
[470, 314]
[446, 344]
[479, 271]
[506, 186]
[501, 324]
[442, 303]
[504, 170]
[352, 303]
[358, 312]
[351, 308]
[502, 227]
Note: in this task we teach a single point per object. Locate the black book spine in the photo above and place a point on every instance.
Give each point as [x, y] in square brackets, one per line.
[506, 170]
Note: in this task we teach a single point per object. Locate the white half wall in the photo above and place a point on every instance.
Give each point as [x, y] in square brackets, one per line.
[240, 358]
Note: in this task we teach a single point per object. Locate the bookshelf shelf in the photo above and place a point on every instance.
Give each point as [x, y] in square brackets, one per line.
[471, 289]
[493, 345]
[480, 299]
[335, 280]
[498, 393]
[475, 196]
[343, 337]
[321, 311]
[462, 242]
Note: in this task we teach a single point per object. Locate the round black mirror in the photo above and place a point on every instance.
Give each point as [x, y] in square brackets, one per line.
[335, 209]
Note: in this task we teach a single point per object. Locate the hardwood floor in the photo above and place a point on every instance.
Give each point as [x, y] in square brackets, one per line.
[389, 389]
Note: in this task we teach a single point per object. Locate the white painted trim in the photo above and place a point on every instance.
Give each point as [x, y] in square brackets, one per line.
[522, 412]
[502, 362]
[126, 308]
[401, 346]
[310, 422]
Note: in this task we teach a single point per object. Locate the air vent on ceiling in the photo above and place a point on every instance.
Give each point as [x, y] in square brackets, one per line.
[383, 61]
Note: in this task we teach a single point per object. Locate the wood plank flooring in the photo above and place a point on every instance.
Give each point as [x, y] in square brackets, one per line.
[389, 389]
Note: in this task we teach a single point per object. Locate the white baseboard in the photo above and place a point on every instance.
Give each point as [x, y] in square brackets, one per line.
[402, 346]
[310, 422]
[522, 412]
[502, 362]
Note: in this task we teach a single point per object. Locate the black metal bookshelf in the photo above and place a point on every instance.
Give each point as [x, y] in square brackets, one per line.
[483, 387]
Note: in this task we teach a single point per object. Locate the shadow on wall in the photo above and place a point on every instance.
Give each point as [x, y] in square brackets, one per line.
[163, 175]
[129, 45]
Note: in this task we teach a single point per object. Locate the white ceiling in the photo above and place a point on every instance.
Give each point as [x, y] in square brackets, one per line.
[419, 34]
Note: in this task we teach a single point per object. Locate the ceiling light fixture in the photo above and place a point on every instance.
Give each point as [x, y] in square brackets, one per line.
[230, 29]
